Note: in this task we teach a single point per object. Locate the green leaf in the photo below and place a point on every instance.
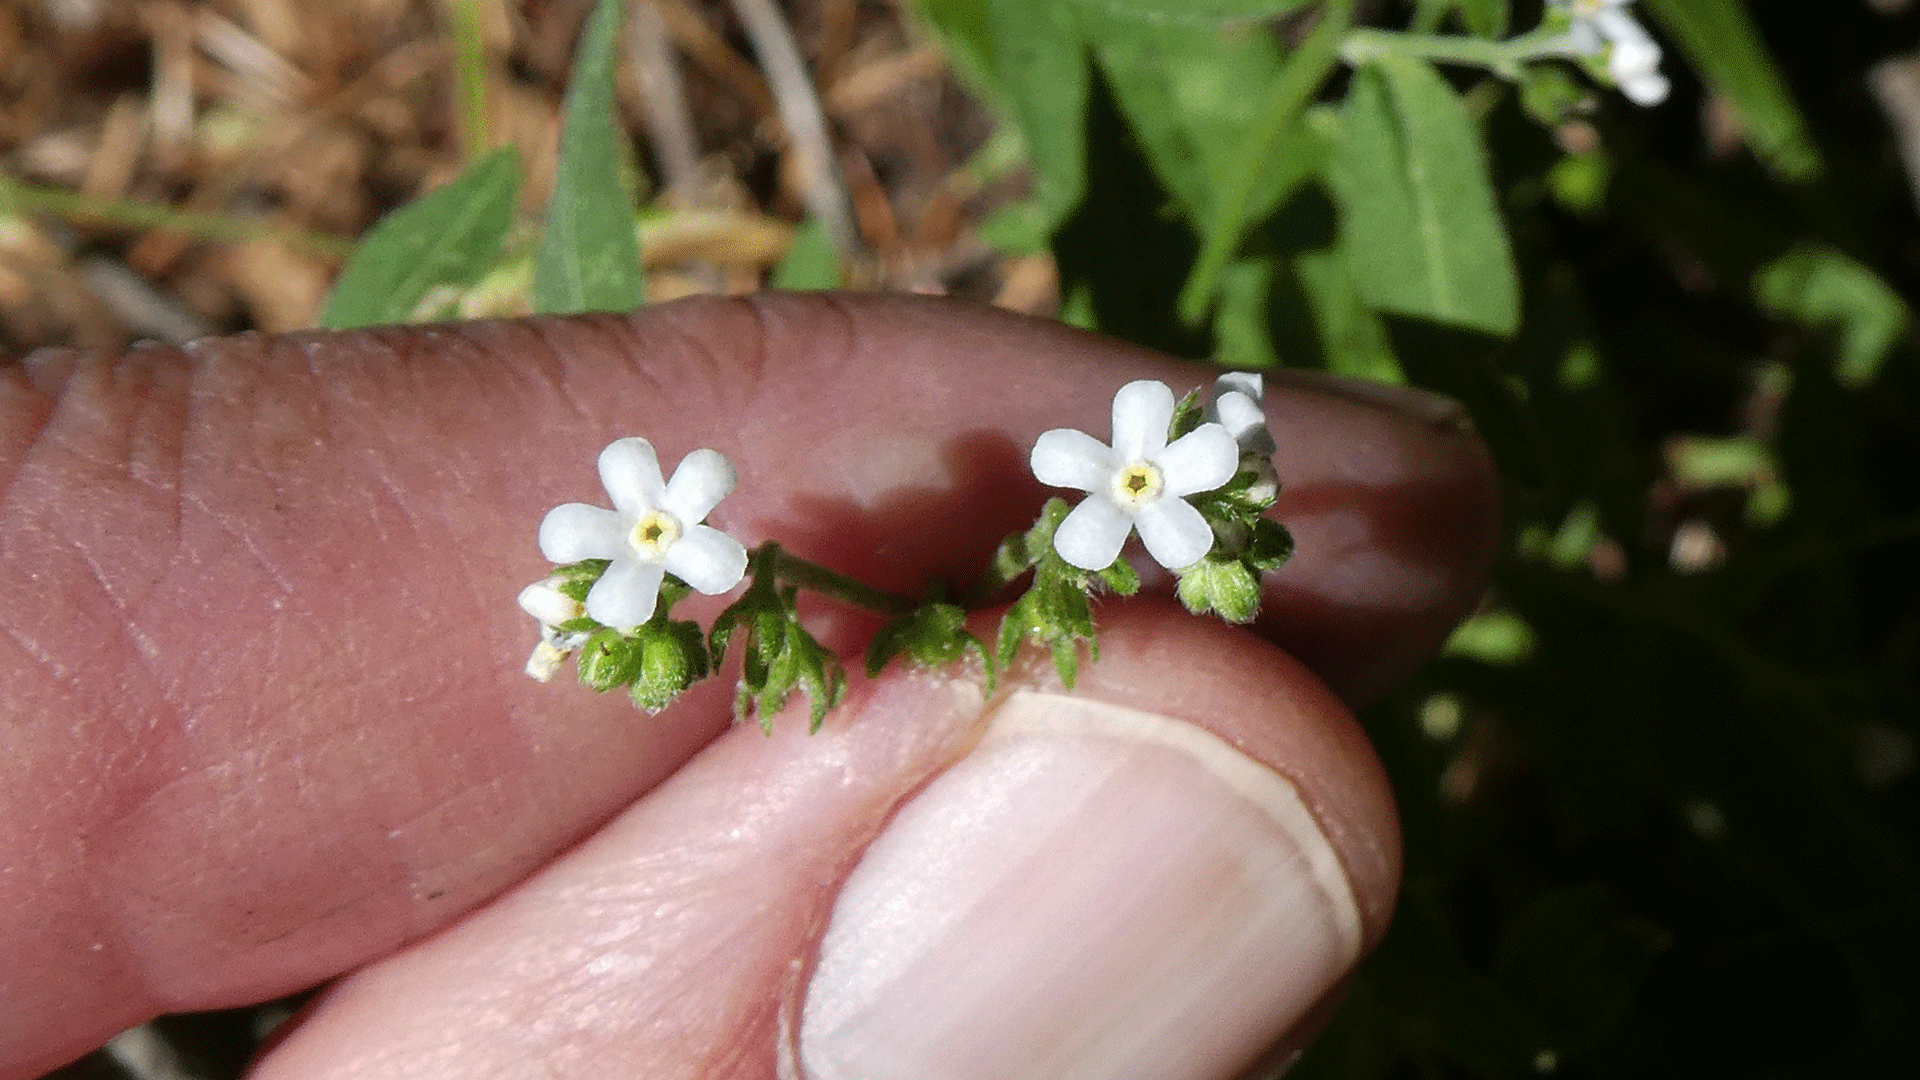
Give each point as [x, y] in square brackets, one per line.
[1194, 12]
[809, 263]
[1042, 67]
[589, 256]
[1722, 43]
[1822, 289]
[1275, 140]
[450, 236]
[1500, 638]
[966, 39]
[1353, 337]
[1189, 94]
[1421, 228]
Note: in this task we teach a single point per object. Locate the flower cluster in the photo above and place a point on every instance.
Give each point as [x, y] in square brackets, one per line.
[1192, 481]
[1599, 28]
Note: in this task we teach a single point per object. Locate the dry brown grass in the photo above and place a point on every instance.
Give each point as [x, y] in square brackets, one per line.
[294, 125]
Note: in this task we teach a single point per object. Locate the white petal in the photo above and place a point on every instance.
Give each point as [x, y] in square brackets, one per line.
[702, 479]
[1646, 89]
[1250, 383]
[625, 595]
[548, 604]
[1628, 37]
[545, 661]
[1141, 412]
[630, 471]
[1244, 420]
[1200, 460]
[707, 559]
[1093, 534]
[1175, 533]
[577, 531]
[1067, 458]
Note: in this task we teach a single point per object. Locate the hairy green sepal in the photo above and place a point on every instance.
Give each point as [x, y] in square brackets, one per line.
[779, 654]
[1054, 611]
[932, 635]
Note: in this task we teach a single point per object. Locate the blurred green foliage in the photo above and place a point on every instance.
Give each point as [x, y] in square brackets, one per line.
[1659, 797]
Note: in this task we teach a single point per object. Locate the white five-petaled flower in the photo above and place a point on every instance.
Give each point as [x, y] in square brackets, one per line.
[1633, 57]
[1140, 482]
[654, 529]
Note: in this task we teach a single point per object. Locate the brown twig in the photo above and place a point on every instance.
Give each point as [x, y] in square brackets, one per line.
[822, 187]
[668, 120]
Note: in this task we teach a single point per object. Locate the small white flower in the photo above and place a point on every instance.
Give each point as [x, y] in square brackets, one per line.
[1236, 407]
[1633, 57]
[653, 530]
[544, 601]
[1140, 482]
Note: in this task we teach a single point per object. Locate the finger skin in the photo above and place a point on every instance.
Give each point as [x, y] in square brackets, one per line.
[676, 942]
[263, 715]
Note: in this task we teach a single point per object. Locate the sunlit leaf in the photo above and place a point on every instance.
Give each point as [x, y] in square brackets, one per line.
[1720, 40]
[810, 262]
[1041, 66]
[1823, 289]
[1189, 94]
[589, 256]
[450, 236]
[1421, 225]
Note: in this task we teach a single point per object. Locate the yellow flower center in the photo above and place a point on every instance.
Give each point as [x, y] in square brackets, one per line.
[653, 534]
[1138, 484]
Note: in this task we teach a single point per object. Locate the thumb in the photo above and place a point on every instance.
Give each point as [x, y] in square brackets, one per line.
[1160, 873]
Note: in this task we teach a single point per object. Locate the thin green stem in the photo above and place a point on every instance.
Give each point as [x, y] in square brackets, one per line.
[1267, 139]
[16, 196]
[1504, 58]
[999, 574]
[470, 68]
[809, 575]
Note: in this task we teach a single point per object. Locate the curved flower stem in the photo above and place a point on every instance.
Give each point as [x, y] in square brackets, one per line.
[1503, 58]
[809, 575]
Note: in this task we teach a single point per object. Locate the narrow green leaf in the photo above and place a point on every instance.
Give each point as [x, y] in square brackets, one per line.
[1353, 339]
[1822, 289]
[1195, 12]
[1042, 67]
[450, 236]
[470, 70]
[589, 257]
[1421, 229]
[809, 262]
[1273, 140]
[1721, 41]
